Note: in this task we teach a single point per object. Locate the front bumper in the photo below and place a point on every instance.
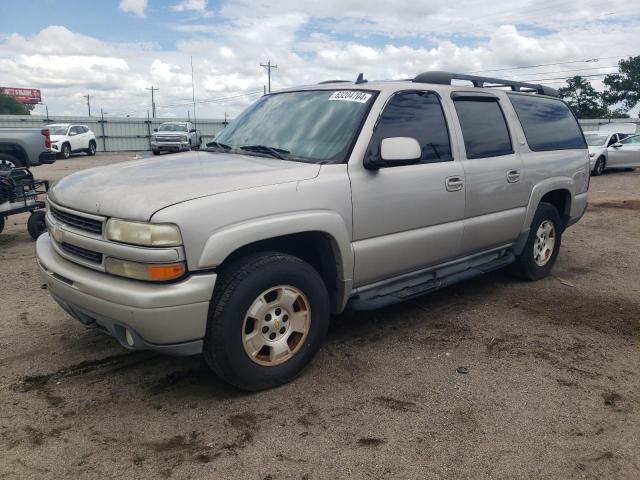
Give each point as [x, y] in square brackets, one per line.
[171, 146]
[169, 318]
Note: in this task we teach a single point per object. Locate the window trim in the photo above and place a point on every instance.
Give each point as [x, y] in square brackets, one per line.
[483, 97]
[584, 140]
[444, 116]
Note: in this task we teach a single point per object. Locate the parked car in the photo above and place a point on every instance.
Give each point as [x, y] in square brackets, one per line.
[625, 153]
[25, 147]
[175, 137]
[353, 195]
[598, 143]
[68, 138]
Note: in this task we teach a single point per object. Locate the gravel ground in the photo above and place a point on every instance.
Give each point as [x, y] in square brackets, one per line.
[552, 389]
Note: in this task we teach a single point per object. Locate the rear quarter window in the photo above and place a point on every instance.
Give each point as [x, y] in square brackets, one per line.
[547, 123]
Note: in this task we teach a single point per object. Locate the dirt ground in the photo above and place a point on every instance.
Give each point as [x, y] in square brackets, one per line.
[552, 389]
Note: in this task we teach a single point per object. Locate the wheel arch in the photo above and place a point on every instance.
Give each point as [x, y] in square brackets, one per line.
[16, 151]
[558, 192]
[319, 238]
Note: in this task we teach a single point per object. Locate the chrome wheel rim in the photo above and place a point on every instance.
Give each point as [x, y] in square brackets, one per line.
[92, 147]
[544, 243]
[276, 325]
[66, 152]
[6, 164]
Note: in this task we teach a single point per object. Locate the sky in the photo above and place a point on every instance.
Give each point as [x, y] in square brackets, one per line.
[114, 50]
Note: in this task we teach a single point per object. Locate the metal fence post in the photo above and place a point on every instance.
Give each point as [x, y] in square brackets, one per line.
[149, 129]
[104, 139]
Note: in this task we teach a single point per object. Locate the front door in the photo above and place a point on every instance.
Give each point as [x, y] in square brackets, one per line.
[626, 155]
[407, 217]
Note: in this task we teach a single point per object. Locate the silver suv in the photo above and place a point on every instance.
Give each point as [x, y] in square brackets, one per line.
[316, 199]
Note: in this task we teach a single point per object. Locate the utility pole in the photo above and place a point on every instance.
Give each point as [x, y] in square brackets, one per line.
[88, 97]
[193, 96]
[153, 102]
[225, 123]
[268, 66]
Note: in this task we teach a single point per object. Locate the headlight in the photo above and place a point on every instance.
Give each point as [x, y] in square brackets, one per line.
[160, 272]
[591, 155]
[143, 234]
[183, 138]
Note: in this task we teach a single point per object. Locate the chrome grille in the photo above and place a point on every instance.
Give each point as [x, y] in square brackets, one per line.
[88, 255]
[77, 221]
[175, 138]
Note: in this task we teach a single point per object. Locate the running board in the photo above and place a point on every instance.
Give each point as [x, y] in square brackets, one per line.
[427, 281]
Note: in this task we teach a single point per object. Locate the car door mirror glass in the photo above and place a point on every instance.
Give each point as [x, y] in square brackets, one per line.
[400, 149]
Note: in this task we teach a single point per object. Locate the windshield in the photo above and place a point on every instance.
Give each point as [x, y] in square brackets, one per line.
[172, 127]
[595, 139]
[58, 130]
[312, 126]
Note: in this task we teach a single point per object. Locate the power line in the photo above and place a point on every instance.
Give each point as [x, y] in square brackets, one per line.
[589, 60]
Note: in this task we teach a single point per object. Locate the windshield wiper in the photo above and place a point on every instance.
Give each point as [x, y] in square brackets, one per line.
[274, 152]
[214, 144]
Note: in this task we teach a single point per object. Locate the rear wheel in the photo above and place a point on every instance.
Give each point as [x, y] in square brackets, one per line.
[542, 247]
[599, 167]
[36, 224]
[268, 317]
[7, 161]
[1, 224]
[91, 151]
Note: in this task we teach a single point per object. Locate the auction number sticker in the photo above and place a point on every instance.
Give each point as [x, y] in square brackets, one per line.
[351, 96]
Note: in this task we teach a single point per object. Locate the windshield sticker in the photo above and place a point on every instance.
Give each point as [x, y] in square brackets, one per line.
[351, 96]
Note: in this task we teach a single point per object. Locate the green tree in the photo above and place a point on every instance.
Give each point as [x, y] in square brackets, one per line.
[9, 106]
[624, 87]
[584, 100]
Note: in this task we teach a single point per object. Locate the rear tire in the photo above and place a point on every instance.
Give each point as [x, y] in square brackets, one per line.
[543, 244]
[268, 317]
[7, 162]
[598, 168]
[91, 151]
[36, 224]
[1, 224]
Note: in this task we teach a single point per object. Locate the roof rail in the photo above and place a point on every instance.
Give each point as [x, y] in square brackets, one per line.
[333, 81]
[445, 78]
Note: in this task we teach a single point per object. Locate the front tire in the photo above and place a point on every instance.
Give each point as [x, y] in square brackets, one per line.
[91, 151]
[268, 317]
[598, 168]
[65, 151]
[36, 224]
[155, 152]
[543, 245]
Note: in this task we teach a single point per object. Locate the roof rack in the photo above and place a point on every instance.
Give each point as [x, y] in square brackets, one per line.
[333, 81]
[445, 78]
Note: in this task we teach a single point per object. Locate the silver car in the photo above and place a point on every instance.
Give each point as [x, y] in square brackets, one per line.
[600, 148]
[316, 199]
[625, 153]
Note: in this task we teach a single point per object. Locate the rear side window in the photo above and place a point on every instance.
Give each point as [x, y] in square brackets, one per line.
[548, 124]
[483, 127]
[419, 115]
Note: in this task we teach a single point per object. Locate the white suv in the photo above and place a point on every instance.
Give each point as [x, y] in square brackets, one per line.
[67, 139]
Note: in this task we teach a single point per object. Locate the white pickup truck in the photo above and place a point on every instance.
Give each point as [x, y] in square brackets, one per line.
[175, 137]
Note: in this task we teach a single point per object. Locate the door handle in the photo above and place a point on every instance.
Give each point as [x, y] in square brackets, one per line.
[513, 176]
[454, 184]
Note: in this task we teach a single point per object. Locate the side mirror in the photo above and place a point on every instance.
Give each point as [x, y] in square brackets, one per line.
[155, 129]
[193, 130]
[396, 151]
[72, 134]
[617, 145]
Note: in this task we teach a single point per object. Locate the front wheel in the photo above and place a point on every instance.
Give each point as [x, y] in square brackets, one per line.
[268, 317]
[1, 223]
[542, 247]
[599, 167]
[91, 151]
[36, 224]
[65, 151]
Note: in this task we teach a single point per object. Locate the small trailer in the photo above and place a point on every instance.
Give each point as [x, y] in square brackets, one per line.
[21, 193]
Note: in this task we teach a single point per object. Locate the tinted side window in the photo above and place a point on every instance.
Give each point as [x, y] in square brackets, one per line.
[548, 124]
[484, 128]
[418, 115]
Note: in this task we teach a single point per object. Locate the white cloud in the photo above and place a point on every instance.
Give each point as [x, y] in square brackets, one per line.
[190, 5]
[137, 7]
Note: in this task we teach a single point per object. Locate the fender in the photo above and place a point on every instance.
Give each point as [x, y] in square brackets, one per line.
[541, 189]
[225, 241]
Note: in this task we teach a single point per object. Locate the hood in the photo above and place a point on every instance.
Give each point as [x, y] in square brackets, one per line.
[136, 190]
[55, 138]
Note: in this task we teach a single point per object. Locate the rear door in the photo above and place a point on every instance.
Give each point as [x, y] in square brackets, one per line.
[627, 154]
[496, 193]
[407, 217]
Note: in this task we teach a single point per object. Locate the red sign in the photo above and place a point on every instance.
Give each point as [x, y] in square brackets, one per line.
[23, 95]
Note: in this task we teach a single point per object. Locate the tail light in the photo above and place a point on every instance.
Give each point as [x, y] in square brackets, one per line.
[47, 137]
